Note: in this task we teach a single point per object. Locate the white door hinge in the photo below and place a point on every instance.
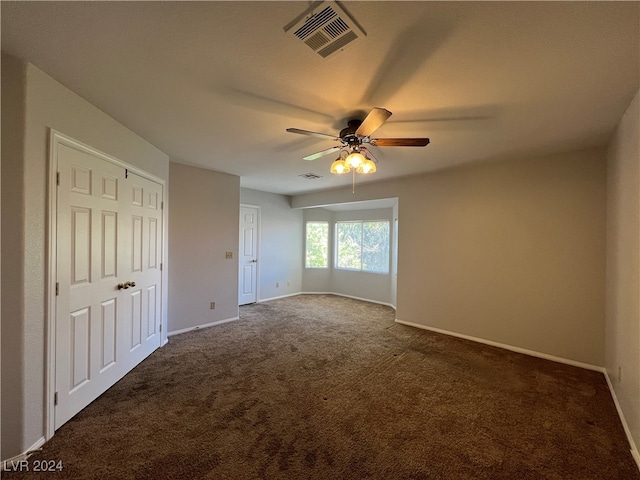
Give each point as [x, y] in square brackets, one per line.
[161, 327]
[55, 399]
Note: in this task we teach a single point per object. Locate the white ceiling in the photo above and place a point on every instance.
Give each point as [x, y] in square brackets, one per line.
[215, 84]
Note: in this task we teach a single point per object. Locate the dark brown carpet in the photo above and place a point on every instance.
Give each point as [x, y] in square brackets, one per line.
[324, 387]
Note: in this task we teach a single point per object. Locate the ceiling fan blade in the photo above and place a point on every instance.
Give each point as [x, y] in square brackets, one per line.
[410, 51]
[374, 120]
[322, 153]
[326, 136]
[400, 142]
[257, 102]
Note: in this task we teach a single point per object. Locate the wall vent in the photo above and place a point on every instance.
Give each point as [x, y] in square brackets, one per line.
[310, 176]
[327, 29]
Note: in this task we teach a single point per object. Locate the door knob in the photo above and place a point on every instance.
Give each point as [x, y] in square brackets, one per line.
[126, 285]
[254, 261]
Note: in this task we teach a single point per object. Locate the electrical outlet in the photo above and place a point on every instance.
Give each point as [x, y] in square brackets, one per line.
[213, 305]
[619, 374]
[228, 255]
[288, 283]
[277, 284]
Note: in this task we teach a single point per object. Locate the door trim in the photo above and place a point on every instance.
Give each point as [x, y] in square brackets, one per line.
[259, 209]
[56, 138]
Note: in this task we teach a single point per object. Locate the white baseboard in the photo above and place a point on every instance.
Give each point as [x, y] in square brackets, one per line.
[350, 296]
[276, 298]
[532, 353]
[204, 325]
[627, 431]
[13, 463]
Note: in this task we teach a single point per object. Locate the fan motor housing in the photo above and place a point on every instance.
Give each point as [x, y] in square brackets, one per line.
[348, 134]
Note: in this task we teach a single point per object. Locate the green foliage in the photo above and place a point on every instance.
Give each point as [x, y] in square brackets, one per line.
[363, 246]
[349, 238]
[317, 251]
[375, 247]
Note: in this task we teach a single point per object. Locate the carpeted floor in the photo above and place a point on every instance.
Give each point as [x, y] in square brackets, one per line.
[324, 387]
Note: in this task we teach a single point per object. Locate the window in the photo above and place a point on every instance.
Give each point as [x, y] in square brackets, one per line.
[317, 246]
[363, 246]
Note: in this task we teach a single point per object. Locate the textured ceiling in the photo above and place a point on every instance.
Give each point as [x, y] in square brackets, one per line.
[215, 84]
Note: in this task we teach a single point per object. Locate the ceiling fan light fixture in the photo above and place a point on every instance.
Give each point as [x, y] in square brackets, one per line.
[339, 167]
[355, 159]
[367, 167]
[355, 139]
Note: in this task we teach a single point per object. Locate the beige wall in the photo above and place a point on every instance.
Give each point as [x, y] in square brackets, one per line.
[203, 225]
[47, 104]
[511, 252]
[12, 375]
[623, 267]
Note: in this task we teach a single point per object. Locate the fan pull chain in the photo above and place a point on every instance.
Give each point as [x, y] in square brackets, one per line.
[353, 181]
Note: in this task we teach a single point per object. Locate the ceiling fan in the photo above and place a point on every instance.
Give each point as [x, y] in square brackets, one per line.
[357, 135]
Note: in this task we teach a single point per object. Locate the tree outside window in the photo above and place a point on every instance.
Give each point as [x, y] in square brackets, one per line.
[363, 246]
[317, 245]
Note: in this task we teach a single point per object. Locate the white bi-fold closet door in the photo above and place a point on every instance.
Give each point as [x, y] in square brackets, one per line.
[108, 269]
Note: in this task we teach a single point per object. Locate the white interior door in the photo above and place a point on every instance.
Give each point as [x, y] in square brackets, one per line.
[248, 255]
[108, 308]
[145, 237]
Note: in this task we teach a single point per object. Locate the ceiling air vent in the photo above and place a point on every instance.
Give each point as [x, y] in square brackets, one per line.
[327, 29]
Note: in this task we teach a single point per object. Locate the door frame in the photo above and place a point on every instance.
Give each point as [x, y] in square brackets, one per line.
[259, 228]
[56, 138]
